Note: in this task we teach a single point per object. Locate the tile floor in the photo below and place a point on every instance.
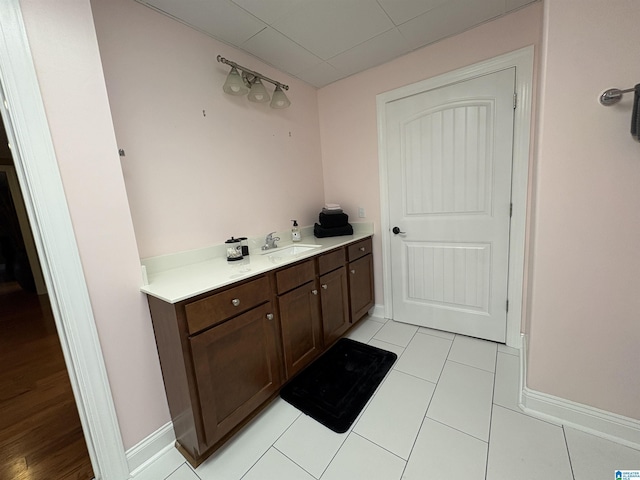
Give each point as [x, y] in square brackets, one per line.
[447, 409]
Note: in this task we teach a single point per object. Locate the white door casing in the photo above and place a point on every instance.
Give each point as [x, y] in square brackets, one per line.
[522, 60]
[449, 154]
[39, 178]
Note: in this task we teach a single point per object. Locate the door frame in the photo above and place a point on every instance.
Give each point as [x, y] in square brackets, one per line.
[522, 59]
[39, 177]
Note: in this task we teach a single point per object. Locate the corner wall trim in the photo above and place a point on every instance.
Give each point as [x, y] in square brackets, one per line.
[601, 423]
[150, 448]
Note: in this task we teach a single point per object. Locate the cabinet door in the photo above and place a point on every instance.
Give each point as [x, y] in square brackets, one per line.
[236, 369]
[335, 304]
[300, 323]
[361, 287]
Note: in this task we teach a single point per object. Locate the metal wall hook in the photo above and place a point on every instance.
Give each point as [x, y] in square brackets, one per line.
[613, 96]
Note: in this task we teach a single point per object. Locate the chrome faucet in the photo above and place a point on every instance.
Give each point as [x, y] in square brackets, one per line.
[270, 242]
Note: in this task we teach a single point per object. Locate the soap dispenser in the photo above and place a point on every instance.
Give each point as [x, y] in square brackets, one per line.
[295, 231]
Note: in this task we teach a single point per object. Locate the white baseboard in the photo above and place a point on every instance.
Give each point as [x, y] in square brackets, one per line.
[604, 424]
[377, 311]
[149, 449]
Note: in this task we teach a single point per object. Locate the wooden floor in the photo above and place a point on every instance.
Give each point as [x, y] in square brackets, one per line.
[40, 433]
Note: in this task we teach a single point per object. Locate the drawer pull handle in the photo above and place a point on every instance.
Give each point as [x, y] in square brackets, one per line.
[269, 316]
[235, 302]
[353, 272]
[314, 291]
[362, 249]
[324, 285]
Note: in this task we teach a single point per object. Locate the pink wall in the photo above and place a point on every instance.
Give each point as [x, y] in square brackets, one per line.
[65, 52]
[244, 169]
[348, 109]
[584, 320]
[191, 180]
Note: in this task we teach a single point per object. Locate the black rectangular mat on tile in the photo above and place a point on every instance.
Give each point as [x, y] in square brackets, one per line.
[336, 387]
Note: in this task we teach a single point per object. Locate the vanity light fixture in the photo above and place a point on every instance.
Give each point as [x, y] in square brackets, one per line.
[242, 81]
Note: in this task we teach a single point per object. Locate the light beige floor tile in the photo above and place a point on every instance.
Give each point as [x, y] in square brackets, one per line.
[525, 448]
[594, 458]
[441, 452]
[240, 453]
[510, 350]
[360, 459]
[424, 357]
[393, 417]
[397, 333]
[507, 388]
[474, 352]
[183, 473]
[437, 333]
[275, 466]
[463, 398]
[389, 347]
[365, 330]
[310, 444]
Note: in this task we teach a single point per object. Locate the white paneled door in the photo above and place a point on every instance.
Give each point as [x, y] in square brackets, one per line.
[449, 154]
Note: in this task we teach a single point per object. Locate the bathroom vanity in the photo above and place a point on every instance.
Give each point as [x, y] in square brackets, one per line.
[229, 337]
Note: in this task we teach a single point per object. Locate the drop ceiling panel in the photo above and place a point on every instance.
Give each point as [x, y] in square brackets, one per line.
[513, 4]
[270, 10]
[321, 41]
[221, 19]
[401, 11]
[320, 75]
[330, 27]
[450, 18]
[378, 50]
[281, 52]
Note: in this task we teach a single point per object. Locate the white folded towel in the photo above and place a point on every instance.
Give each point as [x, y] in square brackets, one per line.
[332, 206]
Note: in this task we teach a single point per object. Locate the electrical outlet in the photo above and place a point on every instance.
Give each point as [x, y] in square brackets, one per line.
[361, 213]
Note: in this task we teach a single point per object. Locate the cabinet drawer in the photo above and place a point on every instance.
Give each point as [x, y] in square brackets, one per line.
[330, 261]
[359, 249]
[221, 306]
[292, 277]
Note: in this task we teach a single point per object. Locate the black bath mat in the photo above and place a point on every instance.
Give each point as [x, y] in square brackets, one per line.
[336, 387]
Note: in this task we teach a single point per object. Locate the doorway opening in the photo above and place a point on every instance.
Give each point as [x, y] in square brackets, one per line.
[40, 430]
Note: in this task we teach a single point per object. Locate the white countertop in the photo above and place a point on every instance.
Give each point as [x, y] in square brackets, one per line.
[179, 276]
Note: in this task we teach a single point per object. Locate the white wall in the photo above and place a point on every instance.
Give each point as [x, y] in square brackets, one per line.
[585, 302]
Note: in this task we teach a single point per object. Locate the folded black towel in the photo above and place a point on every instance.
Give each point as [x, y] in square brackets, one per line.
[635, 115]
[322, 232]
[333, 220]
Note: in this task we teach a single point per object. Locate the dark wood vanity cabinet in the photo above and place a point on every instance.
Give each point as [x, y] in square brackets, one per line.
[299, 307]
[225, 354]
[360, 267]
[221, 361]
[236, 369]
[334, 295]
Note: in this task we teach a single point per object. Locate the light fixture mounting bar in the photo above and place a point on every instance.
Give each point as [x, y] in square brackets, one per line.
[251, 72]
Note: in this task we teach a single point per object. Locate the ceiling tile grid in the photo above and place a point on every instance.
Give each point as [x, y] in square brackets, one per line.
[322, 41]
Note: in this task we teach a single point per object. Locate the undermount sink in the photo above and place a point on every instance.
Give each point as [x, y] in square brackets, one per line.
[290, 251]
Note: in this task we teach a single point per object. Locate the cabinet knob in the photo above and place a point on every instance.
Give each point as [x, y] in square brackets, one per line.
[269, 316]
[235, 302]
[353, 272]
[314, 291]
[324, 285]
[362, 249]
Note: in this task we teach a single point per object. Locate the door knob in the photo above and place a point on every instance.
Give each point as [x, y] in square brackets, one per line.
[397, 231]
